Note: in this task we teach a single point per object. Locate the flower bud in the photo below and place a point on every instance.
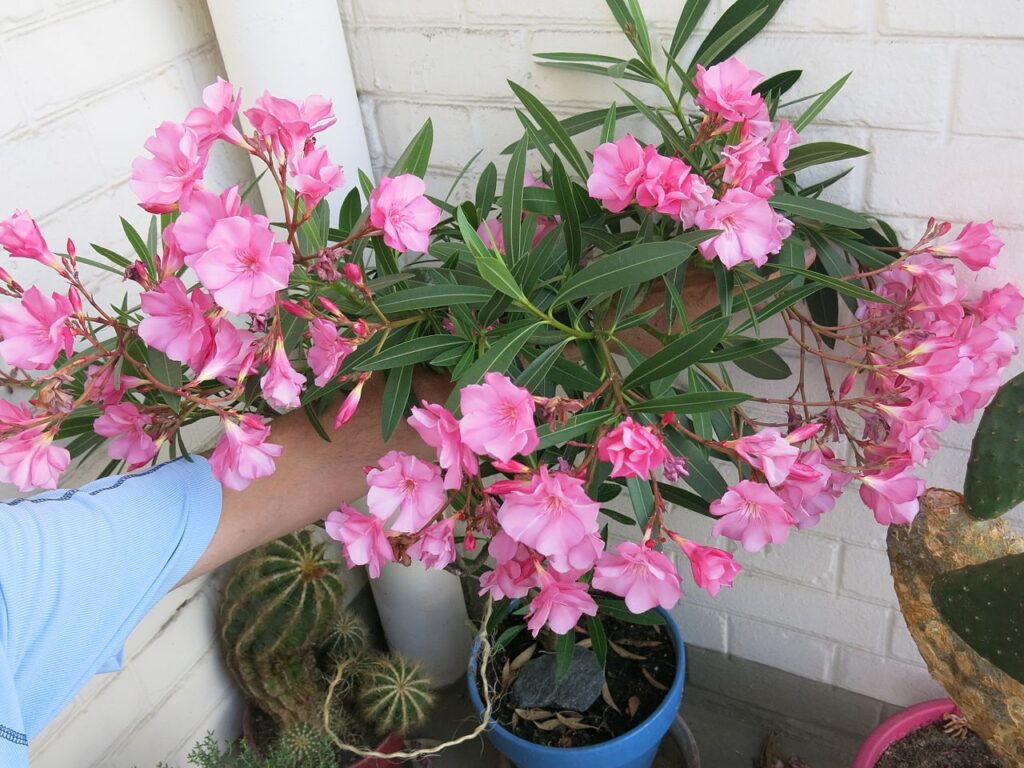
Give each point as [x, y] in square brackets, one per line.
[353, 273]
[847, 385]
[76, 300]
[295, 309]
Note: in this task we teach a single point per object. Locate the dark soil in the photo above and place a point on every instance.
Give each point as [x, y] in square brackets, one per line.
[931, 747]
[634, 696]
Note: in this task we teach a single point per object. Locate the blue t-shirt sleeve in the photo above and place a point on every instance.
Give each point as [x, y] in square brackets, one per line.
[80, 568]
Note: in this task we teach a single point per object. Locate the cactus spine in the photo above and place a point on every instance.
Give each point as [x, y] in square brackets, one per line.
[394, 695]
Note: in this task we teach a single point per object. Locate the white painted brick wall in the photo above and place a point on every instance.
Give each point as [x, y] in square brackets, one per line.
[933, 95]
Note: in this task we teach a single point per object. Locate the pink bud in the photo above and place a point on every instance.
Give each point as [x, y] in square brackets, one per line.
[511, 466]
[75, 299]
[803, 433]
[469, 542]
[353, 273]
[668, 418]
[359, 328]
[348, 408]
[294, 309]
[943, 229]
[71, 248]
[847, 385]
[330, 306]
[502, 487]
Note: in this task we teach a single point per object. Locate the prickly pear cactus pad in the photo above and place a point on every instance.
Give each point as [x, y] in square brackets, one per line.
[943, 538]
[984, 604]
[995, 475]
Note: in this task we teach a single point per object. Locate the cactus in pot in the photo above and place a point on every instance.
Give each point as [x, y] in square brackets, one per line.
[958, 572]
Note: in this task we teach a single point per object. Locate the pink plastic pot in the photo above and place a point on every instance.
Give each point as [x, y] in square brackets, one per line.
[899, 725]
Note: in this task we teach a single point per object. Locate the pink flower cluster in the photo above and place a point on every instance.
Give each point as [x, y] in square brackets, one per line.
[626, 173]
[798, 487]
[939, 358]
[543, 526]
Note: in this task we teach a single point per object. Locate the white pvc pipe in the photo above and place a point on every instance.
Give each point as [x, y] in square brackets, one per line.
[295, 50]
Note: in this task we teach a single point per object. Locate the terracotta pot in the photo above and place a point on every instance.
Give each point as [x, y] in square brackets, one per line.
[393, 742]
[899, 725]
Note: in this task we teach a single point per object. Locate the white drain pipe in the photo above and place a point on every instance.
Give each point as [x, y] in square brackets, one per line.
[294, 50]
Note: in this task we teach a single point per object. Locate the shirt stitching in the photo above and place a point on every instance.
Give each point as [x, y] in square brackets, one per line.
[75, 491]
[11, 735]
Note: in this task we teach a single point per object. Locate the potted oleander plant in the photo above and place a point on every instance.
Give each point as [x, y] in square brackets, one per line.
[594, 316]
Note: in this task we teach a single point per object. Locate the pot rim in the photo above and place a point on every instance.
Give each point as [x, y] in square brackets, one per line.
[591, 749]
[894, 728]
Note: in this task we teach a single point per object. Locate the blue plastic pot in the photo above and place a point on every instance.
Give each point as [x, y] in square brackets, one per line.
[633, 749]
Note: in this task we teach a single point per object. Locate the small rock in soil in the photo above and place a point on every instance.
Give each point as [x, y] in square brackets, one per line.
[537, 688]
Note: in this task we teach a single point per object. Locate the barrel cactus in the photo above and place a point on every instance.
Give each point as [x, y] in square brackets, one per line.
[275, 610]
[958, 573]
[394, 694]
[304, 745]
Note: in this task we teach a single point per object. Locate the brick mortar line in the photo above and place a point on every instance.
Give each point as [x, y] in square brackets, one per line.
[47, 19]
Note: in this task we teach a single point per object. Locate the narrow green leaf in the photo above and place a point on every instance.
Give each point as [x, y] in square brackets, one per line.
[598, 639]
[564, 650]
[691, 402]
[767, 364]
[314, 421]
[736, 348]
[508, 636]
[668, 134]
[167, 372]
[577, 425]
[865, 254]
[778, 84]
[485, 189]
[608, 127]
[642, 498]
[616, 608]
[735, 27]
[534, 374]
[584, 121]
[491, 266]
[570, 215]
[497, 358]
[779, 304]
[819, 152]
[396, 400]
[845, 287]
[820, 103]
[819, 210]
[416, 157]
[433, 296]
[636, 264]
[704, 478]
[512, 202]
[553, 129]
[688, 20]
[683, 498]
[678, 354]
[409, 352]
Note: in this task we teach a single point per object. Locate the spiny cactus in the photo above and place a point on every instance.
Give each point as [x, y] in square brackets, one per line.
[984, 604]
[394, 695]
[347, 635]
[276, 609]
[995, 483]
[304, 745]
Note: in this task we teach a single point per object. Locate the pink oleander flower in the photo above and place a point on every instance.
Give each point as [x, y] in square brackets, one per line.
[559, 605]
[814, 484]
[935, 283]
[1001, 306]
[440, 430]
[634, 450]
[753, 514]
[769, 452]
[199, 212]
[362, 537]
[497, 418]
[286, 125]
[244, 267]
[619, 167]
[581, 557]
[99, 380]
[281, 384]
[937, 366]
[14, 415]
[243, 454]
[173, 258]
[436, 549]
[176, 167]
[224, 356]
[216, 119]
[492, 234]
[550, 513]
[892, 495]
[35, 330]
[912, 427]
[30, 460]
[644, 577]
[712, 568]
[514, 574]
[670, 187]
[976, 246]
[399, 207]
[751, 230]
[328, 350]
[727, 89]
[174, 321]
[126, 425]
[20, 236]
[314, 177]
[408, 485]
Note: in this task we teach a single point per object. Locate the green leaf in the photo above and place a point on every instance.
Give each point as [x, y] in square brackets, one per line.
[485, 189]
[416, 157]
[570, 215]
[497, 358]
[820, 103]
[865, 254]
[508, 636]
[598, 639]
[819, 210]
[642, 498]
[616, 608]
[608, 128]
[668, 134]
[636, 264]
[139, 246]
[512, 203]
[703, 478]
[584, 121]
[410, 352]
[765, 365]
[683, 498]
[550, 126]
[738, 347]
[691, 402]
[678, 354]
[351, 210]
[564, 650]
[491, 266]
[574, 376]
[819, 152]
[834, 262]
[782, 302]
[432, 296]
[688, 19]
[396, 400]
[534, 374]
[166, 371]
[735, 27]
[779, 83]
[627, 13]
[314, 421]
[574, 427]
[844, 287]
